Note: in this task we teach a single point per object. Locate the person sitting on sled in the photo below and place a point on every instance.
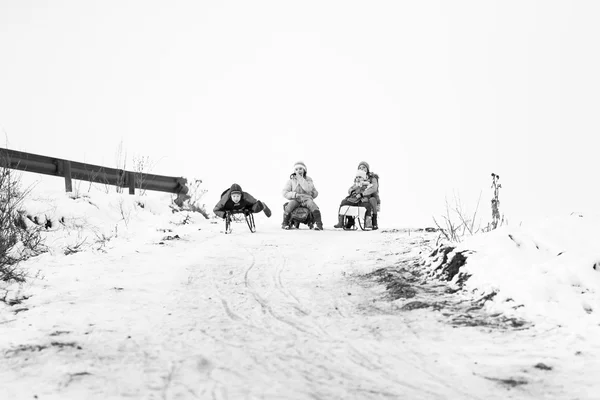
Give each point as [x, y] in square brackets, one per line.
[372, 193]
[234, 200]
[356, 197]
[300, 191]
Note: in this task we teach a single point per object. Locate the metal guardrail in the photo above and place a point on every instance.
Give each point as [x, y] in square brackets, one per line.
[93, 173]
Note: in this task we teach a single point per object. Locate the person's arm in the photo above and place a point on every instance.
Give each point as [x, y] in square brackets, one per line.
[353, 189]
[312, 189]
[219, 209]
[372, 188]
[287, 191]
[249, 198]
[305, 183]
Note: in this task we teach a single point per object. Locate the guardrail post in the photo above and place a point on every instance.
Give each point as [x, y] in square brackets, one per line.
[131, 182]
[67, 174]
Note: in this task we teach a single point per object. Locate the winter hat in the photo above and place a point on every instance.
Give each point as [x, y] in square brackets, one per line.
[366, 164]
[361, 173]
[300, 164]
[235, 188]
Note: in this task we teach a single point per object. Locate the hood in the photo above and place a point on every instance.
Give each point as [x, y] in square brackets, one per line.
[235, 188]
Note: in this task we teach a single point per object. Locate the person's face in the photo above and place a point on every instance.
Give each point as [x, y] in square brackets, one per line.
[236, 197]
[358, 179]
[362, 167]
[299, 170]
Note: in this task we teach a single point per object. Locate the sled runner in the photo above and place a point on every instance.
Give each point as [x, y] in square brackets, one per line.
[353, 213]
[231, 216]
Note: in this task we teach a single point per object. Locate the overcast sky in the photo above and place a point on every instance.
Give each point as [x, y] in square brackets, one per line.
[435, 95]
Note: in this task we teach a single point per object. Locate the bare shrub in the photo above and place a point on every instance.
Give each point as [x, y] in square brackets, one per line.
[20, 238]
[102, 239]
[142, 165]
[191, 201]
[121, 162]
[124, 211]
[74, 248]
[457, 222]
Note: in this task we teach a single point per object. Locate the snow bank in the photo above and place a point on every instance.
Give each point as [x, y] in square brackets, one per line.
[92, 220]
[547, 270]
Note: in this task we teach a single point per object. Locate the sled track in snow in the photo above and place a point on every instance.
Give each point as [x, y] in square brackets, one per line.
[279, 268]
[265, 305]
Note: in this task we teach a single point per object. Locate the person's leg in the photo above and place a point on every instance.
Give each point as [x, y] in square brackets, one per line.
[349, 219]
[289, 207]
[373, 204]
[340, 223]
[314, 209]
[260, 206]
[257, 207]
[368, 218]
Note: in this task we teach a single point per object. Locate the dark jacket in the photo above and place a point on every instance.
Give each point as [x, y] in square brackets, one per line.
[226, 204]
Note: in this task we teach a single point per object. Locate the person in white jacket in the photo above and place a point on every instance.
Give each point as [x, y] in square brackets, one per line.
[300, 191]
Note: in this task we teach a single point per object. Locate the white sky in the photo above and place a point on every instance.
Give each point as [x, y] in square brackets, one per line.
[435, 95]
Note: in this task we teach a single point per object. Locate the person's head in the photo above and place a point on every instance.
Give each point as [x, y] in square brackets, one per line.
[300, 168]
[361, 176]
[236, 193]
[363, 165]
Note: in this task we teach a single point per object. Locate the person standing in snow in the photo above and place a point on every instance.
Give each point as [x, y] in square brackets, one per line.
[234, 200]
[300, 191]
[371, 193]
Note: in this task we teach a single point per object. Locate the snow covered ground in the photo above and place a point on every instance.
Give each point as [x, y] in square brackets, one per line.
[133, 300]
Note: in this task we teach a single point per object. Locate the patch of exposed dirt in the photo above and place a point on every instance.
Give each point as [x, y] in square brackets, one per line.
[510, 382]
[410, 286]
[32, 348]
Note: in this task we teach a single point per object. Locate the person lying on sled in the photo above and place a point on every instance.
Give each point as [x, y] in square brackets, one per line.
[356, 198]
[234, 200]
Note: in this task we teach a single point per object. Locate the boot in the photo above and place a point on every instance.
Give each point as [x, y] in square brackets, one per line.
[340, 223]
[317, 216]
[349, 223]
[375, 227]
[266, 209]
[286, 221]
[368, 222]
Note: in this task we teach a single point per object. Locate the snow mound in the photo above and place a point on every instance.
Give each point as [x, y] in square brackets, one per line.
[547, 270]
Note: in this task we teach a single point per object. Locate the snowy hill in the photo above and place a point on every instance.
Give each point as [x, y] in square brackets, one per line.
[135, 300]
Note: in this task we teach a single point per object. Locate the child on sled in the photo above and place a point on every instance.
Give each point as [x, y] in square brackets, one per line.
[234, 200]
